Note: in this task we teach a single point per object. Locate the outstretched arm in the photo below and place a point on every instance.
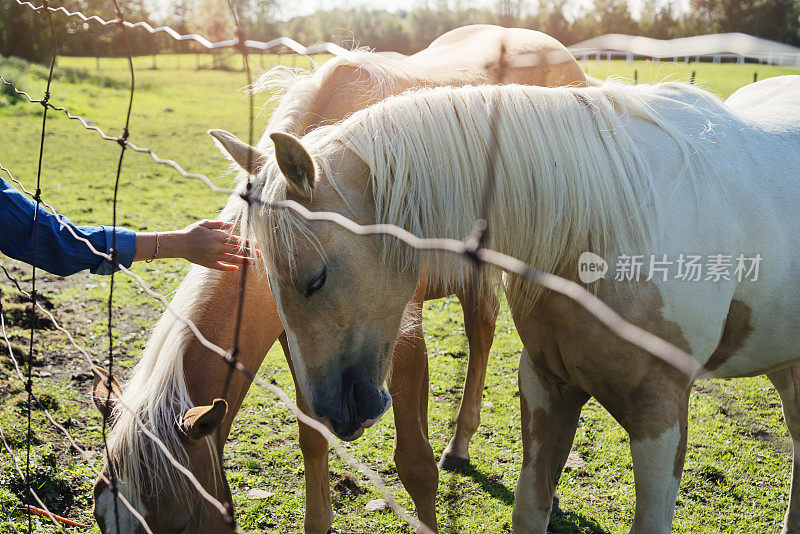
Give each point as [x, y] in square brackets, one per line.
[206, 243]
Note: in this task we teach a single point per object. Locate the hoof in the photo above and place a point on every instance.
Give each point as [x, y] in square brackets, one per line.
[452, 463]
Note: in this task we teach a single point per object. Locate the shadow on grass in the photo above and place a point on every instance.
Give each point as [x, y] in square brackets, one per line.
[493, 487]
[561, 521]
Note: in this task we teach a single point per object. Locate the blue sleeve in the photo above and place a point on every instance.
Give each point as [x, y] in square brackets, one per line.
[57, 250]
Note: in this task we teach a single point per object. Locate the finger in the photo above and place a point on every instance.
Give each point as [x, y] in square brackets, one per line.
[230, 248]
[230, 238]
[237, 259]
[216, 225]
[223, 236]
[219, 266]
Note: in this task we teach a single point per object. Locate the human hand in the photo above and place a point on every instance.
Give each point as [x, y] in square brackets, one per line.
[210, 244]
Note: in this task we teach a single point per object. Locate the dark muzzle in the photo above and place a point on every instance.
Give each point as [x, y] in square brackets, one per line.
[359, 401]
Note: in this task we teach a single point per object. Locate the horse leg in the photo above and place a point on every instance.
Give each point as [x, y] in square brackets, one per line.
[408, 385]
[319, 514]
[787, 382]
[654, 412]
[549, 421]
[480, 314]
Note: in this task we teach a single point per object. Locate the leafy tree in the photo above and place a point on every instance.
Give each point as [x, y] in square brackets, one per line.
[26, 34]
[614, 16]
[658, 20]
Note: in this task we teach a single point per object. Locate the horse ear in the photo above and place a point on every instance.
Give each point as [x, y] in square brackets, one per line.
[295, 163]
[200, 421]
[104, 402]
[247, 157]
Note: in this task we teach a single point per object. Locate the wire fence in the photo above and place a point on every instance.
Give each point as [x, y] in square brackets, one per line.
[472, 248]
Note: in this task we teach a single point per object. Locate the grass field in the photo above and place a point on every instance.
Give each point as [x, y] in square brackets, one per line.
[738, 462]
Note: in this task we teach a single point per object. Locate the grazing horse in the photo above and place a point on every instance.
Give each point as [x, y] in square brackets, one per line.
[662, 172]
[174, 387]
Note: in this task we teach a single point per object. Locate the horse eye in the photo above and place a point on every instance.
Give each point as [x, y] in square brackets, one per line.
[317, 283]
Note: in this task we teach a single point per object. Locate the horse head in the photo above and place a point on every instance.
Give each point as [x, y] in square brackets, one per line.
[341, 312]
[164, 509]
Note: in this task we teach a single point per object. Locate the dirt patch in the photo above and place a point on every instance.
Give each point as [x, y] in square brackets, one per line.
[55, 363]
[16, 309]
[346, 485]
[54, 355]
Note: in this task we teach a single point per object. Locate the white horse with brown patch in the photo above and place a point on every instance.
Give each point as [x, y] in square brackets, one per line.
[174, 387]
[660, 171]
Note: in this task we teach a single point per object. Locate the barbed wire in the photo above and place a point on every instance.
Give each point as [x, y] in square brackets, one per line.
[44, 410]
[85, 123]
[636, 335]
[289, 43]
[360, 467]
[600, 310]
[26, 481]
[472, 249]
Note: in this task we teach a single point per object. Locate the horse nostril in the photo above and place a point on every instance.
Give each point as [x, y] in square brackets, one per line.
[360, 395]
[363, 393]
[350, 403]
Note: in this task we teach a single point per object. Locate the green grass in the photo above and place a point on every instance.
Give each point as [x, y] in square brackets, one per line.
[722, 79]
[738, 464]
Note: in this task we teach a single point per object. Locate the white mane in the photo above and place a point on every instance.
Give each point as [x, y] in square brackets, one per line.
[569, 176]
[157, 392]
[299, 92]
[377, 74]
[158, 395]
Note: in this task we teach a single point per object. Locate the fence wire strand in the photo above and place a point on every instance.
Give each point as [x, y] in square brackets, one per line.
[109, 383]
[144, 150]
[293, 45]
[28, 488]
[73, 442]
[37, 198]
[473, 248]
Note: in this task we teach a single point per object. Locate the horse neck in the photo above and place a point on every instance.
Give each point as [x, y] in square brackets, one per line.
[214, 313]
[569, 193]
[342, 92]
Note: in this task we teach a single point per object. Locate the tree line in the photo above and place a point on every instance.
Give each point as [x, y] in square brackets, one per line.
[26, 34]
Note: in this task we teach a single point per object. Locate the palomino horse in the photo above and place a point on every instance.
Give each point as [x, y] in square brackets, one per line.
[625, 172]
[178, 375]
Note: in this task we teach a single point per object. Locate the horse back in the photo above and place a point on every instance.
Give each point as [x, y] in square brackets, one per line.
[465, 56]
[533, 58]
[746, 201]
[772, 102]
